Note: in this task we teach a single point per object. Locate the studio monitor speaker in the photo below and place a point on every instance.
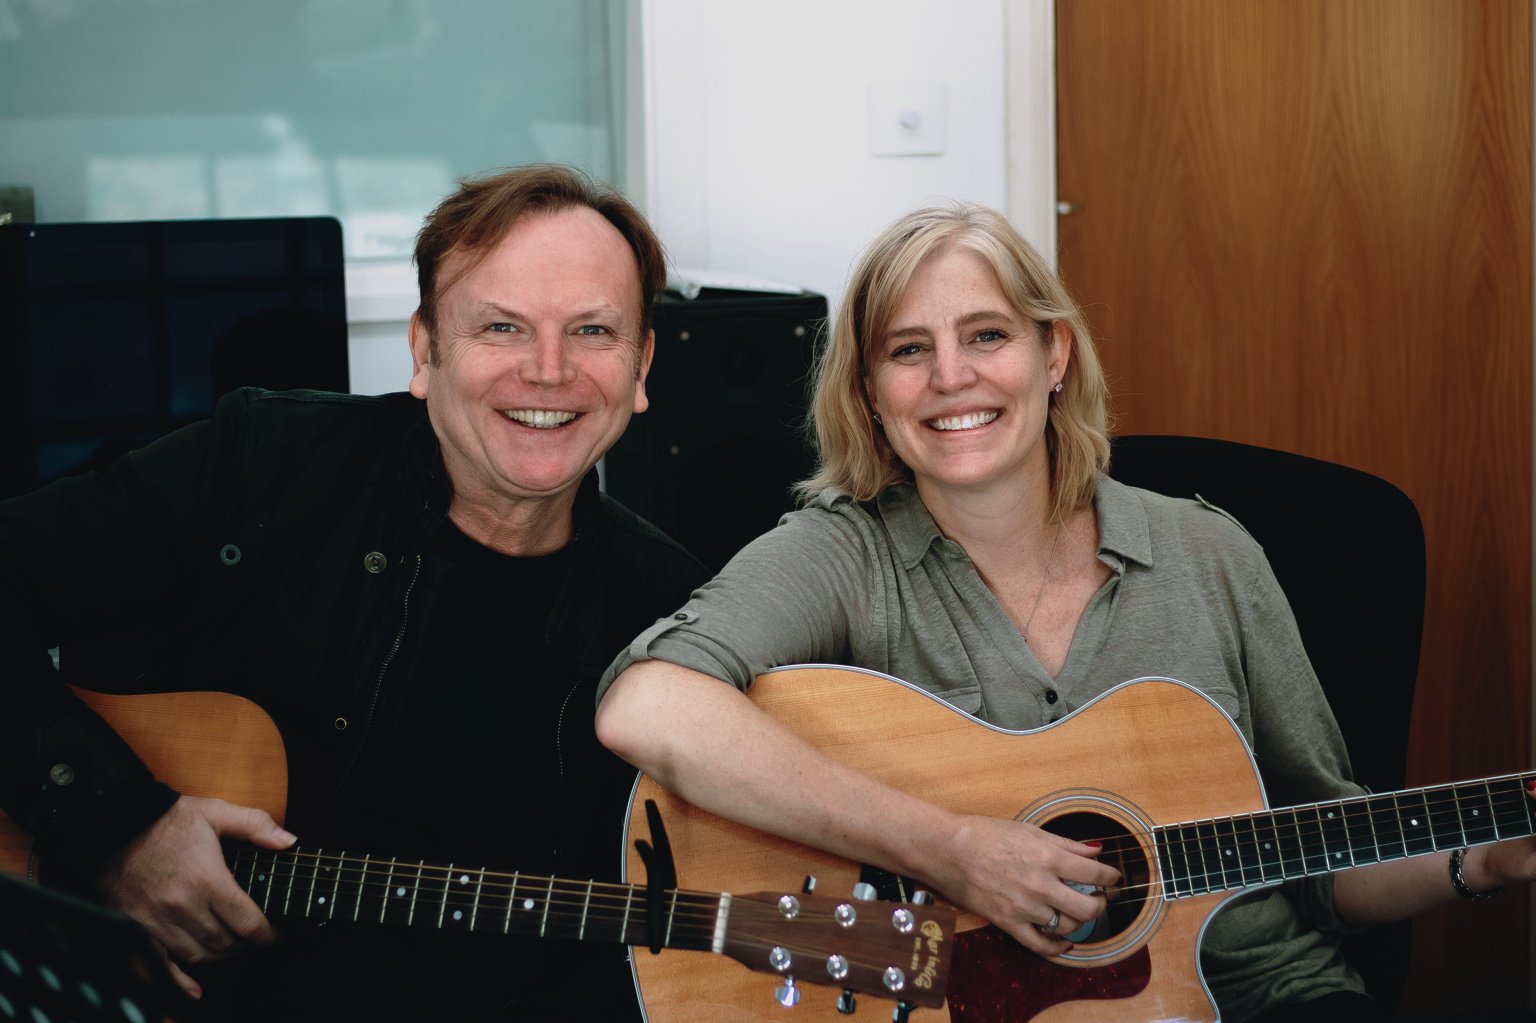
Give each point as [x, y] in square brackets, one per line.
[713, 459]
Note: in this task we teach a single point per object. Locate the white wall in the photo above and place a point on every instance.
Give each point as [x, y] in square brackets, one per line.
[755, 116]
[754, 146]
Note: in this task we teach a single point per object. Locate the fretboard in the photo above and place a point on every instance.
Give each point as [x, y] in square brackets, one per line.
[350, 888]
[1222, 854]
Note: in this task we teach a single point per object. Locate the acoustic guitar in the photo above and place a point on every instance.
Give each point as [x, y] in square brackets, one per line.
[1153, 769]
[220, 745]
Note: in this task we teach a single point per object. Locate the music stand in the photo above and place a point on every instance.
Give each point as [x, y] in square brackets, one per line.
[62, 958]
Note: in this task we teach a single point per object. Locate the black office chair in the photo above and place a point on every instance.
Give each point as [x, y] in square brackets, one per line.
[1348, 549]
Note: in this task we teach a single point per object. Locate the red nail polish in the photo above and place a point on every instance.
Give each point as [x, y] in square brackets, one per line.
[1100, 845]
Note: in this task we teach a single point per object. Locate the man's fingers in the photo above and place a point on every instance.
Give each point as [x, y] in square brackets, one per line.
[186, 983]
[243, 918]
[248, 823]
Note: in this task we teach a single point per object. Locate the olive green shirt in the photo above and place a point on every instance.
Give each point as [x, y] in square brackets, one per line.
[1190, 597]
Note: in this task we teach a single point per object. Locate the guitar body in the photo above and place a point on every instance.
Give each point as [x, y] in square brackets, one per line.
[200, 744]
[1123, 769]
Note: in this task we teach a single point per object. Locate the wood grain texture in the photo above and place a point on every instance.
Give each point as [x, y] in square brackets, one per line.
[1307, 225]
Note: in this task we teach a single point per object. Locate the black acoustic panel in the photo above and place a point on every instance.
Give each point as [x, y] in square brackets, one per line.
[713, 460]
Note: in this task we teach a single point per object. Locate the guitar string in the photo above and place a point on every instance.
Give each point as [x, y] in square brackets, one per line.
[1447, 805]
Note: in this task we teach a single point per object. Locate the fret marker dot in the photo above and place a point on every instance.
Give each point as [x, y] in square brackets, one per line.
[1476, 812]
[1415, 823]
[1330, 815]
[463, 879]
[399, 891]
[458, 914]
[1338, 856]
[261, 877]
[1268, 846]
[1227, 852]
[322, 900]
[527, 903]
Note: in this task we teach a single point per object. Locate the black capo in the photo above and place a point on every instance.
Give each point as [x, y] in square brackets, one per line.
[660, 873]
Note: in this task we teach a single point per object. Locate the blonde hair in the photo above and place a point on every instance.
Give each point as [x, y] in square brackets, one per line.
[854, 454]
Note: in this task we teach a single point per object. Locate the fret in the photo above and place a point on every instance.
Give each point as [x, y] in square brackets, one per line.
[1413, 812]
[443, 906]
[362, 882]
[548, 896]
[389, 884]
[1269, 855]
[474, 909]
[1361, 835]
[506, 925]
[586, 906]
[1387, 827]
[293, 872]
[1335, 836]
[410, 916]
[629, 902]
[671, 918]
[266, 899]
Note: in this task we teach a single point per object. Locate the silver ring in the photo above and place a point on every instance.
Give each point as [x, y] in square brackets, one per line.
[1049, 927]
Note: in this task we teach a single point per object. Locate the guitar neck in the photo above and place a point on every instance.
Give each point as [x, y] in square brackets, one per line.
[1223, 854]
[321, 886]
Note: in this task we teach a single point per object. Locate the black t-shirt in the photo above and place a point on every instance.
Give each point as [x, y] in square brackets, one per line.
[485, 757]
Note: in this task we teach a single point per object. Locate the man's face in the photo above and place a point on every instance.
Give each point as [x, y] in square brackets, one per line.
[538, 362]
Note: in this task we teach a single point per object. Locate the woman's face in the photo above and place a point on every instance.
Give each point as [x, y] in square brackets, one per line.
[961, 380]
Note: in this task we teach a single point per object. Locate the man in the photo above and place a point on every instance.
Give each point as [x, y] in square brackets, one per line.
[420, 589]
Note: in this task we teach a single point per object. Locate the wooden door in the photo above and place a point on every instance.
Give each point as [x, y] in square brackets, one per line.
[1307, 225]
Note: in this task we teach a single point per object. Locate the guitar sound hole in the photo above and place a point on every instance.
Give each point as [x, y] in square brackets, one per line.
[1121, 851]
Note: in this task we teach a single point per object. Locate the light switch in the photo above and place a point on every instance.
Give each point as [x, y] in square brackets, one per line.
[906, 118]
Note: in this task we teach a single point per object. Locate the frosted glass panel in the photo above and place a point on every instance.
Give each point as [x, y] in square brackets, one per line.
[368, 110]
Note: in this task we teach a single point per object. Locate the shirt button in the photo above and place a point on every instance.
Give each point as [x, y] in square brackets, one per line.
[375, 562]
[62, 774]
[340, 724]
[680, 617]
[1050, 696]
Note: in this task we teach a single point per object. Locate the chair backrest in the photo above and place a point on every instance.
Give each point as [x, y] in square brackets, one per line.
[1348, 550]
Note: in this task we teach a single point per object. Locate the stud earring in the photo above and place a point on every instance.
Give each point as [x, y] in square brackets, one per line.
[878, 420]
[1057, 388]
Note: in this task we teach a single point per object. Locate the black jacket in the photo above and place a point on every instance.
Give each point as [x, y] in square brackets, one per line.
[281, 551]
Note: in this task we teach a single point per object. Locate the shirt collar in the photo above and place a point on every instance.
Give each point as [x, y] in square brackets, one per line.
[1124, 534]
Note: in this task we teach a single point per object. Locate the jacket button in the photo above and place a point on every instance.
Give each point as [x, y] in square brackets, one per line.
[375, 562]
[62, 774]
[1050, 696]
[340, 724]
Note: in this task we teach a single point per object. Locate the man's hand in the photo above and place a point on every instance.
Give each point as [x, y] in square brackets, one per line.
[174, 881]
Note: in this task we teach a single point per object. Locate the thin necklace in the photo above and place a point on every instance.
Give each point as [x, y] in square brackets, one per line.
[1044, 580]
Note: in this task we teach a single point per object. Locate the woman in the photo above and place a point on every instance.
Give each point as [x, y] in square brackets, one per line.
[960, 534]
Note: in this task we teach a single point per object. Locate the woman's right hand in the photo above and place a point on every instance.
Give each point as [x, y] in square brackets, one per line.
[1016, 876]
